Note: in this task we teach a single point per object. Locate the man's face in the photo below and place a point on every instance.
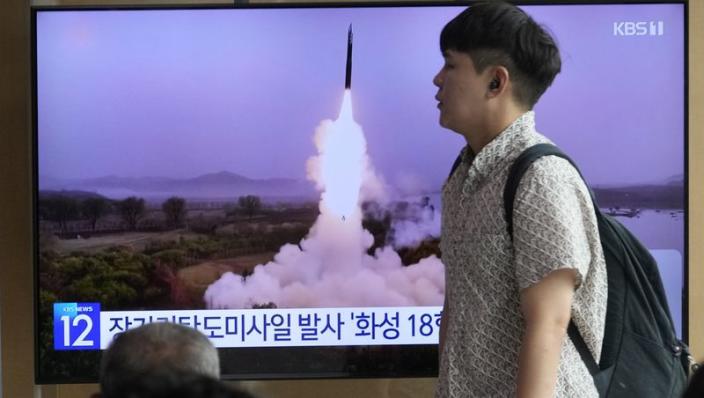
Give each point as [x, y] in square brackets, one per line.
[462, 93]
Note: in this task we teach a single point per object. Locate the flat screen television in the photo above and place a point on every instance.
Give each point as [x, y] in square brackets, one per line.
[271, 174]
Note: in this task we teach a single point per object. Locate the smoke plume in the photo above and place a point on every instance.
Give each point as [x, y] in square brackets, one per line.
[331, 267]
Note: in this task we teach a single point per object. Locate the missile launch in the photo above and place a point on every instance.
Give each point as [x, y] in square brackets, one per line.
[348, 70]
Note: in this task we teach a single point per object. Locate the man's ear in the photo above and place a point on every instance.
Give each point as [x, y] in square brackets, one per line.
[498, 80]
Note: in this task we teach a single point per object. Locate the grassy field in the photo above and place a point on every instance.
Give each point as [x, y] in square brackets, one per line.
[195, 279]
[136, 241]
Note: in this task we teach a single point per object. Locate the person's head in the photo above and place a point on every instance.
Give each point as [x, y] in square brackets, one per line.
[497, 58]
[168, 347]
[170, 384]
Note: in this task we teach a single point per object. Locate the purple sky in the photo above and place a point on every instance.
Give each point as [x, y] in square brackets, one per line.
[184, 93]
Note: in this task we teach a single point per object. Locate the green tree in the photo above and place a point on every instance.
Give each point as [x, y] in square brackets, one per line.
[116, 277]
[94, 209]
[60, 209]
[174, 258]
[250, 204]
[132, 210]
[174, 209]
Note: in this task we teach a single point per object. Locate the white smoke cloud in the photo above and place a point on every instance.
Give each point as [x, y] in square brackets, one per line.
[417, 223]
[410, 184]
[331, 267]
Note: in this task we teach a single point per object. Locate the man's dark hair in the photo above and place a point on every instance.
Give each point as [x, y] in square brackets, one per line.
[175, 384]
[499, 33]
[167, 347]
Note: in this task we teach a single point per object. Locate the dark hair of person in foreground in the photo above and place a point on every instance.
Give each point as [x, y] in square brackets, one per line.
[177, 385]
[167, 350]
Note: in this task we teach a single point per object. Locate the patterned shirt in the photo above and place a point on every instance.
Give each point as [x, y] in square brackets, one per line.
[554, 227]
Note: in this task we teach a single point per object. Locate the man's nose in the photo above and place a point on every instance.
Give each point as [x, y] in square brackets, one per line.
[437, 80]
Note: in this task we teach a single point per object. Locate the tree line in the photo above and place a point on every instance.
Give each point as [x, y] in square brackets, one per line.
[63, 209]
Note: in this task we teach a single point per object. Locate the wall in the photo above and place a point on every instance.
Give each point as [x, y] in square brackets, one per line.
[696, 177]
[15, 214]
[15, 234]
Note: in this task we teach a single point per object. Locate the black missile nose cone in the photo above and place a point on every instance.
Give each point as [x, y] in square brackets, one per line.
[348, 69]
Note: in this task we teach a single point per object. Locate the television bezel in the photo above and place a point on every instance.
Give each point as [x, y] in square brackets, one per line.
[430, 352]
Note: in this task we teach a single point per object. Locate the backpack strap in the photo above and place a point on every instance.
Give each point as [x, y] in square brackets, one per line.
[455, 165]
[516, 172]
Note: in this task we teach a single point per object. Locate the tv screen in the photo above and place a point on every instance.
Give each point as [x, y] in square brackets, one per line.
[271, 175]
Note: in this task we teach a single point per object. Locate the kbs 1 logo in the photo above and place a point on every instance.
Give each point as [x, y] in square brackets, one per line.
[639, 28]
[76, 326]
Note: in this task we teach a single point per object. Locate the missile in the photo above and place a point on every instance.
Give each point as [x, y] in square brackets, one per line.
[348, 71]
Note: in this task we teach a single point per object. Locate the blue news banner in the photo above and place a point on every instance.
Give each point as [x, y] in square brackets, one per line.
[82, 326]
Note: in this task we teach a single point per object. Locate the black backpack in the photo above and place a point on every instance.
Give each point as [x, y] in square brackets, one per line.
[641, 355]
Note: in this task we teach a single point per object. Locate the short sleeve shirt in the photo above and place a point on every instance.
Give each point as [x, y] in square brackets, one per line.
[554, 227]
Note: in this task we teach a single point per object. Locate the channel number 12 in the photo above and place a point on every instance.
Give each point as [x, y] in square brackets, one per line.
[81, 340]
